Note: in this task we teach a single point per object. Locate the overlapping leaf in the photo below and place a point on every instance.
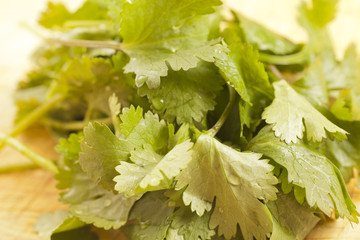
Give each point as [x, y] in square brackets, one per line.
[289, 112]
[89, 202]
[322, 183]
[186, 95]
[290, 219]
[221, 172]
[157, 33]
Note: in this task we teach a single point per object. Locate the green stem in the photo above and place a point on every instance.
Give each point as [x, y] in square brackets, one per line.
[73, 125]
[214, 130]
[34, 157]
[85, 43]
[89, 112]
[296, 58]
[33, 117]
[17, 167]
[86, 23]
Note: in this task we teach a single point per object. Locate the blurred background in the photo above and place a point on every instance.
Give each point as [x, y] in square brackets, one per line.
[17, 43]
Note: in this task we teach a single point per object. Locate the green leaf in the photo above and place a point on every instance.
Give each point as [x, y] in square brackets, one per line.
[186, 95]
[237, 180]
[151, 171]
[166, 32]
[345, 75]
[130, 118]
[70, 148]
[246, 73]
[319, 15]
[151, 218]
[287, 113]
[56, 16]
[190, 225]
[290, 219]
[60, 221]
[101, 152]
[345, 156]
[264, 39]
[150, 130]
[106, 210]
[231, 70]
[306, 168]
[89, 202]
[313, 85]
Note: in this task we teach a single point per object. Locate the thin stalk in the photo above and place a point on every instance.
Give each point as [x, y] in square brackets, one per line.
[295, 58]
[214, 130]
[17, 167]
[86, 23]
[33, 117]
[34, 157]
[89, 112]
[72, 125]
[85, 43]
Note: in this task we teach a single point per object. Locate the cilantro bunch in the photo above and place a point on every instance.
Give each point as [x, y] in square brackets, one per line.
[181, 123]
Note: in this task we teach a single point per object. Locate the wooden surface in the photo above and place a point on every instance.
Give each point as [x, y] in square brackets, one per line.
[24, 196]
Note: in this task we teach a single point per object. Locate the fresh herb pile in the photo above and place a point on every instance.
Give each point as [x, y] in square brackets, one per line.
[181, 123]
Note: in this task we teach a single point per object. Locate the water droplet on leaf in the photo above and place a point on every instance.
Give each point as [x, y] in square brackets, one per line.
[158, 103]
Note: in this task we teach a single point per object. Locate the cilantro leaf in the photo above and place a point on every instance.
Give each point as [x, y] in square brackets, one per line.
[313, 85]
[190, 225]
[130, 118]
[151, 218]
[218, 171]
[346, 77]
[61, 221]
[345, 156]
[166, 32]
[246, 73]
[101, 152]
[186, 95]
[57, 16]
[150, 130]
[264, 39]
[151, 171]
[89, 202]
[306, 168]
[290, 219]
[287, 112]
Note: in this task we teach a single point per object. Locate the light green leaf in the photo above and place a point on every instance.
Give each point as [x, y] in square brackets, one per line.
[58, 17]
[150, 130]
[246, 73]
[345, 156]
[264, 39]
[313, 85]
[290, 219]
[101, 152]
[287, 113]
[319, 14]
[89, 202]
[150, 218]
[61, 221]
[237, 180]
[106, 210]
[186, 95]
[190, 225]
[157, 33]
[306, 168]
[130, 118]
[151, 171]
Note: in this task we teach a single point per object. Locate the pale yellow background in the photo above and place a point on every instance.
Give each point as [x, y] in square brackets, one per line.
[20, 205]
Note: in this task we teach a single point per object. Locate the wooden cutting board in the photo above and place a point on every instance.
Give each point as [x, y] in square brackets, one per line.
[24, 196]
